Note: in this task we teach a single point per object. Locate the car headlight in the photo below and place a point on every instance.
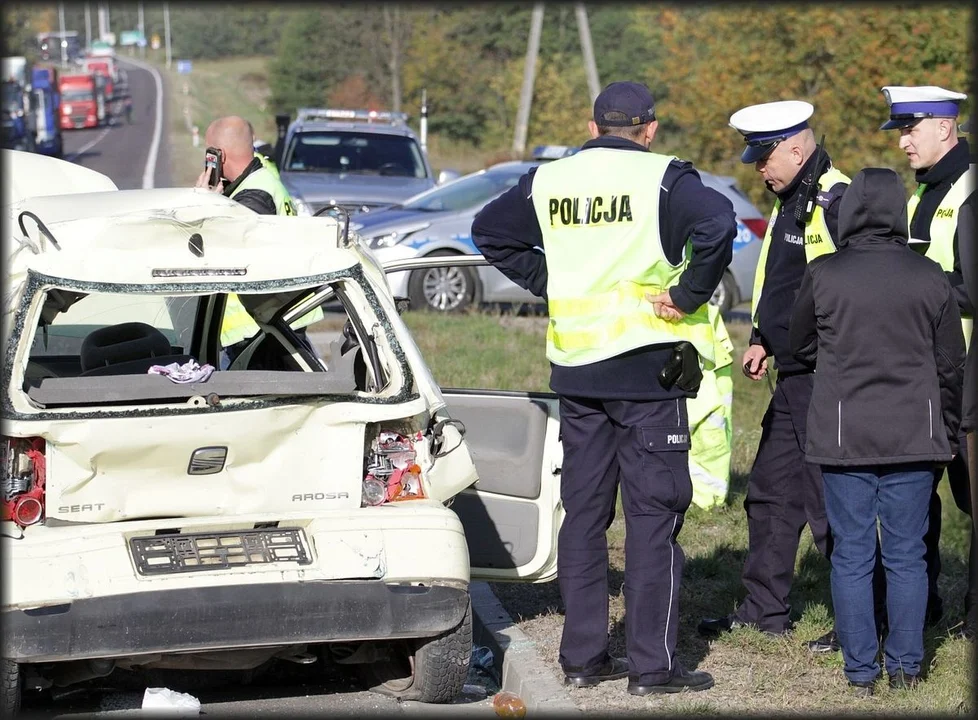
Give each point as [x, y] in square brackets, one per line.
[392, 238]
[67, 109]
[300, 207]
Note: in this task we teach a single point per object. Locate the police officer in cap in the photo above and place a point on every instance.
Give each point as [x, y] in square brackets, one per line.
[784, 491]
[926, 117]
[601, 235]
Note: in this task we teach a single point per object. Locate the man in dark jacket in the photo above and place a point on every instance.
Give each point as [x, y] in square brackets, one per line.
[884, 325]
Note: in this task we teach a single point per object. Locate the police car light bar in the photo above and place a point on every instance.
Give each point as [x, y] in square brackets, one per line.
[307, 114]
[553, 152]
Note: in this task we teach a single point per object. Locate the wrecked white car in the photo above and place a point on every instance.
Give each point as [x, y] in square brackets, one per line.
[172, 500]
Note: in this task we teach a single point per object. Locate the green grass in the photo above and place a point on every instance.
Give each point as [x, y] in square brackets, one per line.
[753, 672]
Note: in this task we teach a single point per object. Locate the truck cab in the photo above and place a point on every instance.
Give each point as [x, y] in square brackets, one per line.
[79, 107]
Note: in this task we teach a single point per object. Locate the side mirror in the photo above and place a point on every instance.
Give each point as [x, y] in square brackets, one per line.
[447, 176]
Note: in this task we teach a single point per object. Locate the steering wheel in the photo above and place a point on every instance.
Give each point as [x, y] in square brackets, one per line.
[392, 168]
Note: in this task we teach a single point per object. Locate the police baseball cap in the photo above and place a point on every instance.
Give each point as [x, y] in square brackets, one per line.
[764, 126]
[624, 104]
[909, 104]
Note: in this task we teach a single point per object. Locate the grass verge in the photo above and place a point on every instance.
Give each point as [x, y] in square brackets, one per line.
[753, 673]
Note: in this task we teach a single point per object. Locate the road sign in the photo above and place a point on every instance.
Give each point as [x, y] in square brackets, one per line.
[131, 37]
[184, 67]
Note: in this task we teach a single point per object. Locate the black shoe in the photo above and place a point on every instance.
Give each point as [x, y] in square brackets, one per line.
[682, 679]
[862, 689]
[904, 681]
[712, 627]
[828, 643]
[613, 669]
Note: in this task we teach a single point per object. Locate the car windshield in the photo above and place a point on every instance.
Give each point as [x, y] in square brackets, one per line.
[76, 95]
[466, 192]
[355, 152]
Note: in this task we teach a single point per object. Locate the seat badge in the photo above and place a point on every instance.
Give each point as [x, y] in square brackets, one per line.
[207, 460]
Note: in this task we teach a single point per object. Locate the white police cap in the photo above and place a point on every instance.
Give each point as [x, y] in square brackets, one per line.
[908, 104]
[764, 126]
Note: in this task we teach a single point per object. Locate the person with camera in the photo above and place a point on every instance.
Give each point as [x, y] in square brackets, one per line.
[882, 322]
[234, 169]
[602, 236]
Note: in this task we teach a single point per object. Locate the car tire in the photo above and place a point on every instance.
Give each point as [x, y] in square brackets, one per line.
[725, 296]
[11, 688]
[454, 289]
[429, 670]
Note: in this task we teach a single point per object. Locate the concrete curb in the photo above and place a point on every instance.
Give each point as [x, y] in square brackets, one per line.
[520, 667]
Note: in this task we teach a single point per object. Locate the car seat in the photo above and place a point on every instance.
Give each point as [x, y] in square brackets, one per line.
[126, 349]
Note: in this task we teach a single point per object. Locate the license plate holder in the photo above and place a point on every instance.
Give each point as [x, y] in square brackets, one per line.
[194, 552]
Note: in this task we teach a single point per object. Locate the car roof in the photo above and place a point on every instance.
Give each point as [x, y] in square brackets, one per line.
[143, 237]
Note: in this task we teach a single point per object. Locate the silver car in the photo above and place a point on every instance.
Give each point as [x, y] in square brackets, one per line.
[439, 222]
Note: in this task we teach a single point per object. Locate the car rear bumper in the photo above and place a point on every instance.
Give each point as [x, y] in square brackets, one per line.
[222, 617]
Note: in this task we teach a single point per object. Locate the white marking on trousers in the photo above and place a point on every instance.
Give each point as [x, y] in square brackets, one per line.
[930, 417]
[672, 585]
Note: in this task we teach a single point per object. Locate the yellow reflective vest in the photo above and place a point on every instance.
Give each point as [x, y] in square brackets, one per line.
[943, 226]
[238, 324]
[818, 239]
[598, 212]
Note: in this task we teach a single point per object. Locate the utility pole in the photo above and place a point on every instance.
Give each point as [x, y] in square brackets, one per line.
[103, 24]
[142, 32]
[88, 26]
[166, 31]
[587, 50]
[64, 41]
[529, 74]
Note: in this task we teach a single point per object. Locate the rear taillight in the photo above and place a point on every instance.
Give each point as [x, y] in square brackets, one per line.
[758, 226]
[23, 480]
[392, 473]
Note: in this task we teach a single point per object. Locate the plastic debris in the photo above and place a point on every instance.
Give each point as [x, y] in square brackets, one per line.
[164, 700]
[507, 704]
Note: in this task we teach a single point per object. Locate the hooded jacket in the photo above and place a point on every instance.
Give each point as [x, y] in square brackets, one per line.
[884, 326]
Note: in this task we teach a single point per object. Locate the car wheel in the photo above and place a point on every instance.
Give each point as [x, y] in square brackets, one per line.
[430, 670]
[11, 688]
[444, 289]
[725, 296]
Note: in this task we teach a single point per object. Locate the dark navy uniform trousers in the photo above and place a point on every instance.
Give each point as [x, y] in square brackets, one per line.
[958, 479]
[784, 492]
[643, 446]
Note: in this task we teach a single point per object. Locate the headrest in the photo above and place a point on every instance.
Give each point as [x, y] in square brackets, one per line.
[122, 343]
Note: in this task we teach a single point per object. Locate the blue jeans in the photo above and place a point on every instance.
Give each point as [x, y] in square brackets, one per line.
[854, 498]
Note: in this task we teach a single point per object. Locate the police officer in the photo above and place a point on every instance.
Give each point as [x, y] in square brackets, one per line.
[265, 153]
[245, 178]
[601, 235]
[926, 118]
[784, 491]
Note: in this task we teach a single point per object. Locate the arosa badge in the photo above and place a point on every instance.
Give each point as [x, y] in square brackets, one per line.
[207, 460]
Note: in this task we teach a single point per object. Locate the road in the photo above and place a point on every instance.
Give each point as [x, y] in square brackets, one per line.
[134, 156]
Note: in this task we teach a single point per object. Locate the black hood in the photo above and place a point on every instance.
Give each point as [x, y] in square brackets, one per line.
[874, 208]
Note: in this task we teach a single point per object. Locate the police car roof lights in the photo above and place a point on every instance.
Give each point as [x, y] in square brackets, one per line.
[384, 116]
[553, 152]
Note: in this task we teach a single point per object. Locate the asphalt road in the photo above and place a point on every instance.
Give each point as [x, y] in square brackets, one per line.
[134, 156]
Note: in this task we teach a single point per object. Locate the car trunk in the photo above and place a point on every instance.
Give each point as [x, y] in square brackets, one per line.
[276, 459]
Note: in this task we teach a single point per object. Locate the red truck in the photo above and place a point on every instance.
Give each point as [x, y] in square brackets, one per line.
[79, 108]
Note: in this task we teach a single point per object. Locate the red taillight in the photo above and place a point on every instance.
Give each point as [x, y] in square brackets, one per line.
[23, 480]
[758, 226]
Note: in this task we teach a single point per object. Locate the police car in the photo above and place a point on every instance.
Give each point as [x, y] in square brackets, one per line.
[438, 222]
[357, 159]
